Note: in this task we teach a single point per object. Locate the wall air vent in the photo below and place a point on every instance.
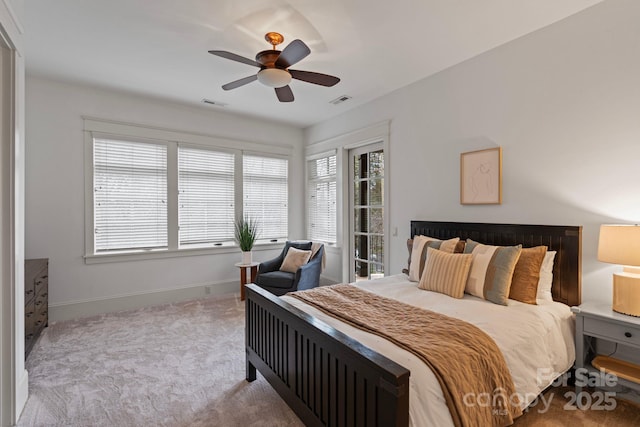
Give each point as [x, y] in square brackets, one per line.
[212, 102]
[340, 99]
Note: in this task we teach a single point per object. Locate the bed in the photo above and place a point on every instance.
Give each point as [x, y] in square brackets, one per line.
[329, 377]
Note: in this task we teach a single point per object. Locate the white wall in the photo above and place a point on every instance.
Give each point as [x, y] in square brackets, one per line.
[55, 189]
[563, 104]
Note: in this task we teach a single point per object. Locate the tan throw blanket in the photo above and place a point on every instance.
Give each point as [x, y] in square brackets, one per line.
[469, 366]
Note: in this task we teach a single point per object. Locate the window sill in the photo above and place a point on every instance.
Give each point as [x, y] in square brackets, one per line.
[173, 253]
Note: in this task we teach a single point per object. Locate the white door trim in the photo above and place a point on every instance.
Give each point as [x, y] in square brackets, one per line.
[13, 376]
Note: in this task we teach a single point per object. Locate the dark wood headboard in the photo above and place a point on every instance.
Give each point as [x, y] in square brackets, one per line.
[565, 240]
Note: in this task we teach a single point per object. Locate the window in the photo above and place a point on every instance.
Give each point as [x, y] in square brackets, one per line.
[266, 194]
[206, 208]
[162, 193]
[130, 195]
[321, 193]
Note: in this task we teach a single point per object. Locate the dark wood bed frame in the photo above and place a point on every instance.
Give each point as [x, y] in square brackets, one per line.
[330, 379]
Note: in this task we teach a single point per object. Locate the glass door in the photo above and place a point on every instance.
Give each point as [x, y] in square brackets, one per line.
[366, 171]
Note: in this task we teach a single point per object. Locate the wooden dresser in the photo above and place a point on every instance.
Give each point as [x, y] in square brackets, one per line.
[36, 300]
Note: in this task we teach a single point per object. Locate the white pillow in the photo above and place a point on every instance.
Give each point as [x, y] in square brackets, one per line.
[546, 277]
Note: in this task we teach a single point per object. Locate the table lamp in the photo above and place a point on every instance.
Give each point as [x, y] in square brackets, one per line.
[620, 244]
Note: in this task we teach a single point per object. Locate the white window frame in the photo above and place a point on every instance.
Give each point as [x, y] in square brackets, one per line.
[98, 128]
[237, 183]
[308, 195]
[136, 141]
[263, 241]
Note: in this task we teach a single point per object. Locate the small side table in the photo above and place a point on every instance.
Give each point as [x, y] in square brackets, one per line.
[598, 321]
[253, 267]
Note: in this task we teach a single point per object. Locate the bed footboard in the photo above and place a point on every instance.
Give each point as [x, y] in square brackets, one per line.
[326, 377]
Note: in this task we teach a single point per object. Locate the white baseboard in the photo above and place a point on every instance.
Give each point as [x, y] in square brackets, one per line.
[324, 281]
[22, 392]
[76, 309]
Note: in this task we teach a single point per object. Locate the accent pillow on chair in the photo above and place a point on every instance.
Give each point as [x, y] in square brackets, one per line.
[295, 259]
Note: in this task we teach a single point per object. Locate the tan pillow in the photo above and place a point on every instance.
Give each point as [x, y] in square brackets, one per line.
[418, 253]
[294, 259]
[410, 249]
[445, 273]
[450, 245]
[459, 247]
[524, 284]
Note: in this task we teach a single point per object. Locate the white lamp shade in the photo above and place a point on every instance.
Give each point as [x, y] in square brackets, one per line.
[619, 244]
[274, 77]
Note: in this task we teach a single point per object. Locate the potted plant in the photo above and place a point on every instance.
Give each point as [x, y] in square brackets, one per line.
[246, 232]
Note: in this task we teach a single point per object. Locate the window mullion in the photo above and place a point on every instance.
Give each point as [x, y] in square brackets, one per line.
[239, 179]
[172, 195]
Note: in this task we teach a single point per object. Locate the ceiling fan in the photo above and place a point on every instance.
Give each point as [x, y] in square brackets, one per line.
[274, 67]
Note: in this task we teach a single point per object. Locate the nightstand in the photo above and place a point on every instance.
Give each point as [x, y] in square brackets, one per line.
[599, 321]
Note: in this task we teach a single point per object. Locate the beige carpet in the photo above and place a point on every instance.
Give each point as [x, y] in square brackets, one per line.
[183, 365]
[173, 365]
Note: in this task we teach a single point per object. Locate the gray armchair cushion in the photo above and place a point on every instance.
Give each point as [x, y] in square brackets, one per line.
[277, 279]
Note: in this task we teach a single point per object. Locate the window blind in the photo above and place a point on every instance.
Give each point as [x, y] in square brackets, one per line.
[130, 195]
[321, 193]
[206, 196]
[265, 191]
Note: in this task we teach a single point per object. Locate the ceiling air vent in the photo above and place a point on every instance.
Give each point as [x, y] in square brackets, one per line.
[340, 99]
[212, 102]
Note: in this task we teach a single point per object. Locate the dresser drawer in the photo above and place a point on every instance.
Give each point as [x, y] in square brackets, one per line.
[628, 334]
[29, 291]
[42, 313]
[30, 317]
[41, 284]
[35, 276]
[29, 341]
[36, 300]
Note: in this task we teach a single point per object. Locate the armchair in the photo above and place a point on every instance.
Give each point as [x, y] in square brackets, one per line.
[280, 282]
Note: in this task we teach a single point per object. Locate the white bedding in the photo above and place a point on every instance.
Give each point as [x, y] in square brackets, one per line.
[531, 338]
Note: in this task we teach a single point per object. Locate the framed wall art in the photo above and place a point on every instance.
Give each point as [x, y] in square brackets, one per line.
[481, 177]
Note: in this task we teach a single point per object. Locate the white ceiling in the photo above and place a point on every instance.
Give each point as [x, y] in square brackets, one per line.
[159, 47]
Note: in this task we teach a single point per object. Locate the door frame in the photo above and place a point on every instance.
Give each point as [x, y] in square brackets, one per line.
[318, 142]
[351, 155]
[378, 134]
[13, 376]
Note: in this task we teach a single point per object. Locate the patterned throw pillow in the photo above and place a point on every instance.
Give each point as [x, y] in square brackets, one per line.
[491, 270]
[294, 259]
[445, 273]
[418, 253]
[524, 284]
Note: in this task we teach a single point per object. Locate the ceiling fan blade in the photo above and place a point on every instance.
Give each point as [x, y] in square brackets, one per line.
[284, 94]
[315, 78]
[234, 57]
[240, 82]
[294, 52]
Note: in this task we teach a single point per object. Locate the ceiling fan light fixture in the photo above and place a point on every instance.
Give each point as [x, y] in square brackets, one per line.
[274, 77]
[275, 68]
